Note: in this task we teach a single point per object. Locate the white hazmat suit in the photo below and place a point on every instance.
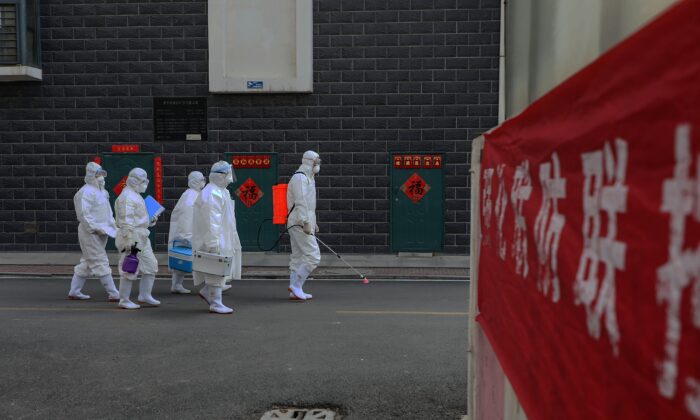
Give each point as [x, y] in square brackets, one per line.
[181, 224]
[301, 225]
[214, 231]
[133, 223]
[96, 223]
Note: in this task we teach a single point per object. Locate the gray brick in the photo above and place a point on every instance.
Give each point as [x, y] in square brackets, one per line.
[365, 53]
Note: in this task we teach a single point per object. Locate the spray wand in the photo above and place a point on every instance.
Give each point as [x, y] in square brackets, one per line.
[363, 277]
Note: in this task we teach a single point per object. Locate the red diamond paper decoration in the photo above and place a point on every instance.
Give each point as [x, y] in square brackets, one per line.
[249, 192]
[415, 188]
[120, 185]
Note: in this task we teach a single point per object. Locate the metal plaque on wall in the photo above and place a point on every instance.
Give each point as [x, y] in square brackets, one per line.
[179, 119]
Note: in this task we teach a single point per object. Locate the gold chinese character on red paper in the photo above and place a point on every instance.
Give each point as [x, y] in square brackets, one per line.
[249, 193]
[415, 188]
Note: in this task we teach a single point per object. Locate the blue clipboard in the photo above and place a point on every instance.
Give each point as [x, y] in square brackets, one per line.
[153, 207]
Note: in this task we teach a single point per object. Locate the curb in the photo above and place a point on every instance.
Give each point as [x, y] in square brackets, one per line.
[254, 277]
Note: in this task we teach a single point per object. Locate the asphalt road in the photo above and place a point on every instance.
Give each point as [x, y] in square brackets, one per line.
[386, 350]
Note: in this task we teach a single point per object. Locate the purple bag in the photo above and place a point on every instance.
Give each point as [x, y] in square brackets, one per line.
[131, 261]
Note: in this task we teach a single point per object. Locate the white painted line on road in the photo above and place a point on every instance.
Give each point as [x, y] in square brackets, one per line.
[402, 313]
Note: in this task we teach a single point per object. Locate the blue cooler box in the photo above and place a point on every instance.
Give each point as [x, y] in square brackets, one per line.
[180, 258]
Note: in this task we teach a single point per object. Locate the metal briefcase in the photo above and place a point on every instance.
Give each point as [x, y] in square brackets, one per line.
[213, 264]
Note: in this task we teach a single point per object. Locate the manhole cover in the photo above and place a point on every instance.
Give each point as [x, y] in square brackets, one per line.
[300, 413]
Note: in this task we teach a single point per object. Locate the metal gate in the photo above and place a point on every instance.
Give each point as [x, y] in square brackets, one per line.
[252, 192]
[417, 202]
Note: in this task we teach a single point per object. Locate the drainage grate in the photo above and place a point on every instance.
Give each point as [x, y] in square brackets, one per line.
[300, 413]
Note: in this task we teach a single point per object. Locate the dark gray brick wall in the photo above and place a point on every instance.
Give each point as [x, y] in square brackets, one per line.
[389, 75]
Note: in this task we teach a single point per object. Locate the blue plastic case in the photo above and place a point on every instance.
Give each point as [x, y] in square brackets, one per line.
[180, 258]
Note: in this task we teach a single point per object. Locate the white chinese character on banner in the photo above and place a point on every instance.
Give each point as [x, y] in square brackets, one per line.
[681, 198]
[487, 205]
[596, 293]
[501, 202]
[519, 193]
[548, 227]
[692, 398]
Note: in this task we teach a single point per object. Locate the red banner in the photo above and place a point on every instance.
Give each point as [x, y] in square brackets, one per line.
[120, 185]
[589, 275]
[158, 174]
[417, 161]
[125, 148]
[250, 161]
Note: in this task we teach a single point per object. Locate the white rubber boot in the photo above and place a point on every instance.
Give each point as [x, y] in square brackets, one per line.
[294, 292]
[216, 305]
[112, 292]
[204, 293]
[76, 285]
[176, 287]
[124, 294]
[301, 279]
[145, 288]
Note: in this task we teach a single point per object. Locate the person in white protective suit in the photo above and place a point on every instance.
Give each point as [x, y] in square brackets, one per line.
[181, 224]
[302, 226]
[133, 223]
[96, 223]
[214, 231]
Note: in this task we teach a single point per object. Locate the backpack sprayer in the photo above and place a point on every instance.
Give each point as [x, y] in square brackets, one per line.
[280, 214]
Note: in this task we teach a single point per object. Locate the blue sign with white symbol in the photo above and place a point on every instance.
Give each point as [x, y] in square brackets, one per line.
[255, 84]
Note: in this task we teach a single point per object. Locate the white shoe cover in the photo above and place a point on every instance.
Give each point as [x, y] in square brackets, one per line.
[176, 287]
[128, 305]
[216, 305]
[299, 280]
[296, 294]
[145, 297]
[226, 288]
[293, 279]
[306, 295]
[302, 274]
[76, 285]
[124, 292]
[112, 292]
[204, 293]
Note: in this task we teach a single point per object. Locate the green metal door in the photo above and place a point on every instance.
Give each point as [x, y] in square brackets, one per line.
[118, 166]
[417, 202]
[252, 192]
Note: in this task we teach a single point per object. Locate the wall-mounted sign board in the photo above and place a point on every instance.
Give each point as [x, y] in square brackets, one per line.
[260, 46]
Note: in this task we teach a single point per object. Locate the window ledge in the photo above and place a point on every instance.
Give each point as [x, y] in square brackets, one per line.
[16, 73]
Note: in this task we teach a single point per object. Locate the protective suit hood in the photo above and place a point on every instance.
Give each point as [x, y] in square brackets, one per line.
[310, 163]
[196, 180]
[222, 174]
[138, 180]
[93, 171]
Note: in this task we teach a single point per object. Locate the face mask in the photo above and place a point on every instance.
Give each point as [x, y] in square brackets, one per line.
[200, 185]
[142, 187]
[317, 169]
[101, 182]
[229, 177]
